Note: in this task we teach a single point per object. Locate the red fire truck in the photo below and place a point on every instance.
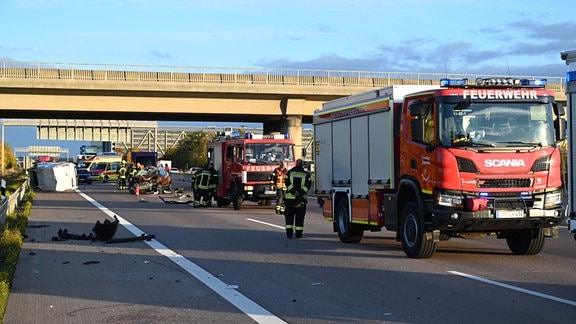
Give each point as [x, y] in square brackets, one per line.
[244, 166]
[433, 163]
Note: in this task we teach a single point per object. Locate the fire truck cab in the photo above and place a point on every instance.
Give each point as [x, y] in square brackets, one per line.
[245, 164]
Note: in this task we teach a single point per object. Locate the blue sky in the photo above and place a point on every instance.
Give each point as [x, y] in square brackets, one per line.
[454, 36]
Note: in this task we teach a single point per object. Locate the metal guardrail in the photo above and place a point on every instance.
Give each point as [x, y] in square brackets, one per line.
[273, 76]
[9, 204]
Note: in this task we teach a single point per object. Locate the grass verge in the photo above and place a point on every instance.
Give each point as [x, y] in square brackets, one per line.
[11, 234]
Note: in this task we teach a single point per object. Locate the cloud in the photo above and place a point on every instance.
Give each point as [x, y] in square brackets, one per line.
[523, 47]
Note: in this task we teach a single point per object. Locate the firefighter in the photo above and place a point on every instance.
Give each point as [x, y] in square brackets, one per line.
[298, 182]
[278, 176]
[122, 176]
[193, 185]
[203, 187]
[132, 170]
[213, 183]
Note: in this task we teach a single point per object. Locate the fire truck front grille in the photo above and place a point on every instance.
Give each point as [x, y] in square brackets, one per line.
[504, 183]
[513, 204]
[258, 176]
[509, 200]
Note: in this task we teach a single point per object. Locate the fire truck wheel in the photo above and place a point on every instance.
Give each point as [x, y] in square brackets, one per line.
[412, 233]
[525, 241]
[347, 231]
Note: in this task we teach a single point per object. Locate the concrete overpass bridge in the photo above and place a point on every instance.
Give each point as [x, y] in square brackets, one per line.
[280, 99]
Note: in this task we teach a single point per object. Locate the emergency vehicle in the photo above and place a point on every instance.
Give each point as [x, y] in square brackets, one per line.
[432, 163]
[87, 170]
[245, 164]
[570, 58]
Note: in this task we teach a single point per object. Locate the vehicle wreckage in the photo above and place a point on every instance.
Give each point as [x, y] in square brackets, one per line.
[151, 179]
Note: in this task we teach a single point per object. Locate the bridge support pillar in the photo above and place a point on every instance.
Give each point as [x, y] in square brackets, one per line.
[294, 128]
[287, 124]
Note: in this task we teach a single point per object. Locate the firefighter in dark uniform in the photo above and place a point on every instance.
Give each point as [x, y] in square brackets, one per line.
[298, 182]
[203, 187]
[122, 176]
[194, 186]
[278, 176]
[132, 171]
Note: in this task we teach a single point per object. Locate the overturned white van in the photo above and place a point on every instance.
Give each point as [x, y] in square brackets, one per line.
[47, 176]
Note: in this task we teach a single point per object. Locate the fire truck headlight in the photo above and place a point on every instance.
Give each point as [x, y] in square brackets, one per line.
[553, 199]
[447, 199]
[248, 188]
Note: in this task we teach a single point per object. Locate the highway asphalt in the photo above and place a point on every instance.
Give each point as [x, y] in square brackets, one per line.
[84, 281]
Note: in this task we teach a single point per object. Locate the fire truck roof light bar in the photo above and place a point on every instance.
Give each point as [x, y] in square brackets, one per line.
[271, 136]
[453, 82]
[495, 82]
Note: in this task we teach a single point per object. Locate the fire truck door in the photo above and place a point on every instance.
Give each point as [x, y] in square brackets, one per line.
[419, 154]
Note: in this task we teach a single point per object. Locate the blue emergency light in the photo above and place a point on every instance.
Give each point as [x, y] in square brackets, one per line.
[570, 76]
[537, 83]
[453, 82]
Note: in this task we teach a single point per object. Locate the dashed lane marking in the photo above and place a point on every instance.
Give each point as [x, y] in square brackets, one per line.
[522, 290]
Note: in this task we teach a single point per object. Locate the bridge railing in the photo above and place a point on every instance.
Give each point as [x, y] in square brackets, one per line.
[299, 77]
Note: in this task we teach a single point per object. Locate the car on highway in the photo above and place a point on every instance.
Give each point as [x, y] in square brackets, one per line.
[83, 175]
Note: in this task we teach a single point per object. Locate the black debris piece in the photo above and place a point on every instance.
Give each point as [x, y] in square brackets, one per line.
[105, 231]
[142, 237]
[101, 231]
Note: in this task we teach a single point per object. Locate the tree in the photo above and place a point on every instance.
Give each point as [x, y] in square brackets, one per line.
[9, 158]
[191, 150]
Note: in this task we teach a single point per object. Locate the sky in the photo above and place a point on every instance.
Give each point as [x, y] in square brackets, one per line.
[443, 36]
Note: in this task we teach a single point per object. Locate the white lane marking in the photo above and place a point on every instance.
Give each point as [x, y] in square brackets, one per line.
[265, 223]
[243, 303]
[522, 290]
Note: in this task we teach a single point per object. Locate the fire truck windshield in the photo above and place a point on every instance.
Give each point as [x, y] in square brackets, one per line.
[268, 153]
[496, 124]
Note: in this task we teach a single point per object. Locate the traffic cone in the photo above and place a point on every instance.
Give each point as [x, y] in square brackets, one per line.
[137, 190]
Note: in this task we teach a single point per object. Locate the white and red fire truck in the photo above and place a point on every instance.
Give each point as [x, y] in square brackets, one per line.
[245, 164]
[433, 163]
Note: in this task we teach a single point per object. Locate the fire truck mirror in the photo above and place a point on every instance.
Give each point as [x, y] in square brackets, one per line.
[559, 110]
[560, 125]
